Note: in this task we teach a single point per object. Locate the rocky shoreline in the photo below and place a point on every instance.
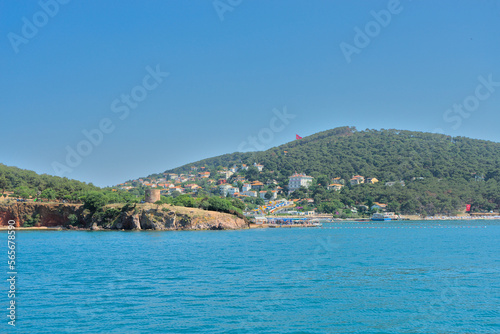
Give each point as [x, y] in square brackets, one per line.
[116, 217]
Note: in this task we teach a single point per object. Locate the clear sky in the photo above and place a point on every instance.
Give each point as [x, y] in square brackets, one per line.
[170, 82]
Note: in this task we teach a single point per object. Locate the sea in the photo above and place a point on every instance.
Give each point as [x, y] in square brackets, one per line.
[350, 277]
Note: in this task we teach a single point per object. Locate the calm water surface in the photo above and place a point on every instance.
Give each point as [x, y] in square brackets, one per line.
[387, 277]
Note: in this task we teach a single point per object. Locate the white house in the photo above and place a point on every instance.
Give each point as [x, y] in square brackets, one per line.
[357, 179]
[258, 166]
[335, 186]
[250, 193]
[246, 187]
[225, 173]
[233, 190]
[299, 180]
[224, 189]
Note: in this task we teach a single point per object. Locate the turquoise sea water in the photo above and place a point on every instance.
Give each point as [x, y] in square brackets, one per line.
[387, 277]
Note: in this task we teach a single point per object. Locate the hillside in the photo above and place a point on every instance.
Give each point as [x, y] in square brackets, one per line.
[388, 155]
[27, 183]
[441, 173]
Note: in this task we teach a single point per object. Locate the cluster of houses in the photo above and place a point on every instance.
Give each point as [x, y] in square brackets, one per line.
[169, 183]
[249, 190]
[358, 179]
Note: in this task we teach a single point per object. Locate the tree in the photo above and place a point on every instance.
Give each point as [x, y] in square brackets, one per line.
[3, 183]
[48, 194]
[268, 195]
[94, 201]
[24, 192]
[72, 219]
[238, 204]
[252, 173]
[322, 181]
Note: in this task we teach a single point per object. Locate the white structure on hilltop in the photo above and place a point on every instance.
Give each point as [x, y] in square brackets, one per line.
[258, 166]
[299, 180]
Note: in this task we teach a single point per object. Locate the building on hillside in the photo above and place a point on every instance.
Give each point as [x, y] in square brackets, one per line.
[204, 175]
[192, 187]
[338, 180]
[246, 187]
[178, 189]
[226, 173]
[335, 186]
[357, 179]
[371, 180]
[478, 177]
[379, 206]
[299, 180]
[233, 190]
[224, 189]
[271, 182]
[258, 166]
[244, 167]
[249, 193]
[257, 185]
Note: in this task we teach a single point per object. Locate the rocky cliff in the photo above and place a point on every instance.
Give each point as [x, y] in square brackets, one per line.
[118, 217]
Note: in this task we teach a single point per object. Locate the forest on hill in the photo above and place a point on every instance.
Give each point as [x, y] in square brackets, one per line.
[441, 173]
[389, 155]
[26, 184]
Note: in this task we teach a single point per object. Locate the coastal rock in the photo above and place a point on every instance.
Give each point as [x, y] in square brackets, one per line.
[94, 227]
[140, 217]
[127, 221]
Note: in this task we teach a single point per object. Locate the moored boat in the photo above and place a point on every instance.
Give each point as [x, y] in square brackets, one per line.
[384, 216]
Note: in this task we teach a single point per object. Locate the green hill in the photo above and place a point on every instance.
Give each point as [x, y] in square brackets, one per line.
[26, 183]
[389, 155]
[441, 173]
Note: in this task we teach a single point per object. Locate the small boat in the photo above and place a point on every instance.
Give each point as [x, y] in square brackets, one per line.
[383, 216]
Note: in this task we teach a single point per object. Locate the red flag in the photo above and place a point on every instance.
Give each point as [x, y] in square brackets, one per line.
[467, 207]
[298, 137]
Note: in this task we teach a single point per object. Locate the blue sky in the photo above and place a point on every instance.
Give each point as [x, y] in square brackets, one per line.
[232, 67]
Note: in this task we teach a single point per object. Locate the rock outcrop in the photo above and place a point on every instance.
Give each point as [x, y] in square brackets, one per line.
[118, 217]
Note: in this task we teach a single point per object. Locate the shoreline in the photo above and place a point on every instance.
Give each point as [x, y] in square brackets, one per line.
[252, 225]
